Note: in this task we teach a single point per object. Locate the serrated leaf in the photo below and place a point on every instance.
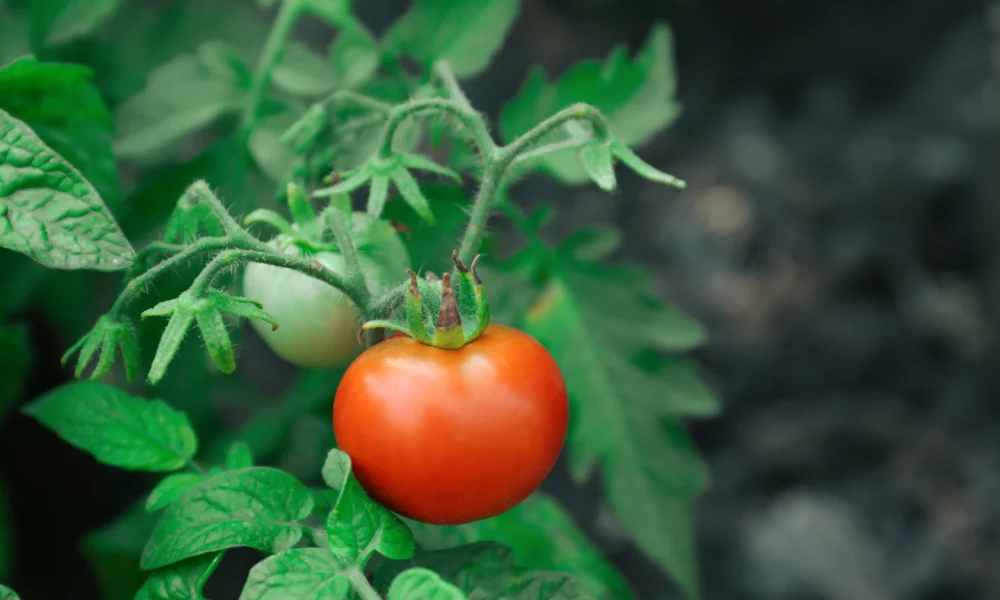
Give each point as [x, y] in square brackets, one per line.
[117, 428]
[257, 507]
[485, 571]
[60, 21]
[171, 488]
[636, 97]
[466, 33]
[181, 581]
[49, 212]
[541, 535]
[358, 526]
[15, 347]
[595, 319]
[60, 103]
[8, 594]
[311, 573]
[424, 584]
[302, 72]
[180, 98]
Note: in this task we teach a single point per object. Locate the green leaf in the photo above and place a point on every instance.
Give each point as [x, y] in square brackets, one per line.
[636, 97]
[596, 320]
[49, 212]
[485, 571]
[181, 97]
[359, 526]
[257, 507]
[302, 72]
[424, 584]
[239, 456]
[60, 103]
[430, 246]
[542, 536]
[466, 33]
[117, 428]
[311, 573]
[8, 594]
[597, 161]
[171, 488]
[181, 581]
[16, 350]
[272, 156]
[60, 21]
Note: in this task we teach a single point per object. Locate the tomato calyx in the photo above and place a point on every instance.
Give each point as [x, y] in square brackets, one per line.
[435, 316]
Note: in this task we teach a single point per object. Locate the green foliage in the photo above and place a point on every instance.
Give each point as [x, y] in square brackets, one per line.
[117, 428]
[216, 117]
[7, 594]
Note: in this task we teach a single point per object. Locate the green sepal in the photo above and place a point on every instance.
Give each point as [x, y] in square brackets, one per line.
[422, 163]
[241, 307]
[217, 342]
[170, 343]
[472, 301]
[351, 181]
[596, 159]
[410, 191]
[378, 195]
[393, 324]
[107, 335]
[415, 310]
[448, 329]
[302, 210]
[641, 167]
[269, 217]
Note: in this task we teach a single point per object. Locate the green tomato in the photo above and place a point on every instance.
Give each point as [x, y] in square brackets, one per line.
[317, 324]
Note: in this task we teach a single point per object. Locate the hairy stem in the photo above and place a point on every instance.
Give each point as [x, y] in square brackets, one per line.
[202, 193]
[442, 69]
[472, 121]
[336, 219]
[287, 15]
[360, 584]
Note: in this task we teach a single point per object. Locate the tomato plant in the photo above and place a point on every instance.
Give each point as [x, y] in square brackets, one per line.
[303, 193]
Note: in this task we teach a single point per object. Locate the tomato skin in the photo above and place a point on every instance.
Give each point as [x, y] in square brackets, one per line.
[452, 436]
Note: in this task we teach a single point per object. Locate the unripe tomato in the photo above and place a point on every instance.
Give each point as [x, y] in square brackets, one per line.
[452, 436]
[317, 324]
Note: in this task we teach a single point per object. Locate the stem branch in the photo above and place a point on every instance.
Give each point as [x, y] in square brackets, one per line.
[361, 585]
[287, 15]
[472, 121]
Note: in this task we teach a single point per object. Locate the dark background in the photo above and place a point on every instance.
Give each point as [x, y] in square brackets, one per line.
[837, 238]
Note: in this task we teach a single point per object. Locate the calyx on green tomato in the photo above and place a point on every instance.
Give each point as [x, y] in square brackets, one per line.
[456, 426]
[450, 436]
[317, 323]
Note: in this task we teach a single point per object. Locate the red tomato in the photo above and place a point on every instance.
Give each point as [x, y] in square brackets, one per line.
[452, 436]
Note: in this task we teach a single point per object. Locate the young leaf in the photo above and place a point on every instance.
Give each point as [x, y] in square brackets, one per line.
[239, 456]
[257, 507]
[7, 594]
[466, 33]
[181, 581]
[171, 488]
[15, 347]
[359, 526]
[636, 97]
[60, 103]
[49, 212]
[485, 570]
[595, 319]
[541, 535]
[117, 428]
[422, 583]
[180, 98]
[59, 21]
[311, 573]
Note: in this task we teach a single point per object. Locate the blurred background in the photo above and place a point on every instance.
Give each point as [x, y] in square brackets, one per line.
[837, 237]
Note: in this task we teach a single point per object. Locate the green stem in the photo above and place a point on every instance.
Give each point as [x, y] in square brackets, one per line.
[361, 585]
[499, 161]
[337, 221]
[361, 100]
[540, 151]
[139, 264]
[472, 121]
[287, 15]
[202, 193]
[443, 71]
[135, 287]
